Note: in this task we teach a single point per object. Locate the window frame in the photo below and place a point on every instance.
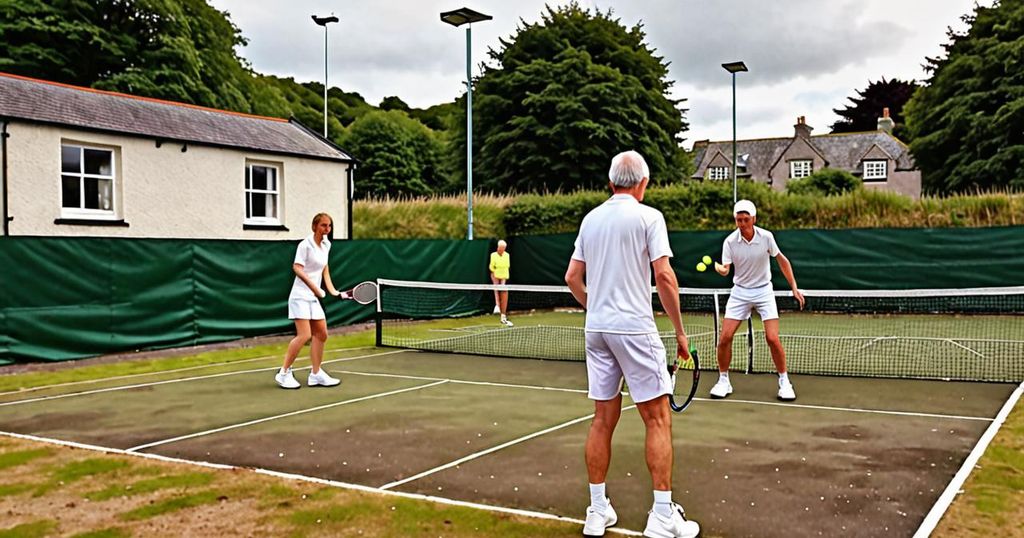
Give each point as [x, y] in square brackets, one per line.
[81, 212]
[718, 173]
[248, 191]
[875, 177]
[795, 163]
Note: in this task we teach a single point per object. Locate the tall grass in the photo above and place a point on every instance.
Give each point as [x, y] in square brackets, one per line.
[690, 206]
[439, 217]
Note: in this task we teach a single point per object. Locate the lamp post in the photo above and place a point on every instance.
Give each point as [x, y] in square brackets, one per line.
[734, 67]
[457, 18]
[324, 21]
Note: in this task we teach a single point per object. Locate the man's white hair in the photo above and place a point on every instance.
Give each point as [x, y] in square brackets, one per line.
[502, 243]
[628, 169]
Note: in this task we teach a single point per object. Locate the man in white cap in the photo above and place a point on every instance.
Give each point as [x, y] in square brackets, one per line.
[751, 248]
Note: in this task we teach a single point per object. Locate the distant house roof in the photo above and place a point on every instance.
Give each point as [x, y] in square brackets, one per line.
[60, 104]
[844, 151]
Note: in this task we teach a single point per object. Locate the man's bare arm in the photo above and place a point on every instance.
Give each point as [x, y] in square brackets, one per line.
[574, 279]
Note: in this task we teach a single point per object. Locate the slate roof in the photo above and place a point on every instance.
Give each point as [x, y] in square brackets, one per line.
[34, 100]
[840, 150]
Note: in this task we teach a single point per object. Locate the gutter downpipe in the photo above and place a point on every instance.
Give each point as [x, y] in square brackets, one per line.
[3, 174]
[351, 195]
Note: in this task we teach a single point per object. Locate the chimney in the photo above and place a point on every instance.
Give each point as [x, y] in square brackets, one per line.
[885, 123]
[802, 129]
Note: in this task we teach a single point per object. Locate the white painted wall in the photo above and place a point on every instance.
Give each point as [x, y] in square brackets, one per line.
[162, 192]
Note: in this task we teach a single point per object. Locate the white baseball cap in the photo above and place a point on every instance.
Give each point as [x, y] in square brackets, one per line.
[745, 206]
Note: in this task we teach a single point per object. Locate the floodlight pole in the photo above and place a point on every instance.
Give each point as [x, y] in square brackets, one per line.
[734, 67]
[457, 18]
[324, 21]
[469, 131]
[734, 197]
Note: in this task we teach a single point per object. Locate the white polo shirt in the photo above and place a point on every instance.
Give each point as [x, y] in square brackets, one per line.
[618, 240]
[313, 260]
[751, 259]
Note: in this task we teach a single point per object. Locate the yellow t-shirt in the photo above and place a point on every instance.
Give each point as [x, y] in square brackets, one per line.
[500, 264]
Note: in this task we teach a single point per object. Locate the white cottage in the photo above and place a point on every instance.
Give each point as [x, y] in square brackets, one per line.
[83, 162]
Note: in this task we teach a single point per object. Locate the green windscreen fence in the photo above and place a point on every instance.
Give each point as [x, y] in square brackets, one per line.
[892, 259]
[67, 298]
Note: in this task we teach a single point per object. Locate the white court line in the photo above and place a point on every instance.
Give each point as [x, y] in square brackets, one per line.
[467, 382]
[312, 480]
[848, 409]
[953, 489]
[185, 369]
[283, 415]
[481, 453]
[196, 378]
[713, 400]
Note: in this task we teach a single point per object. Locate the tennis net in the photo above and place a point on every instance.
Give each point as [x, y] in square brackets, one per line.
[958, 334]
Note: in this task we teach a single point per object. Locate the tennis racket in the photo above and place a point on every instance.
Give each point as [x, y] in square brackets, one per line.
[363, 293]
[681, 391]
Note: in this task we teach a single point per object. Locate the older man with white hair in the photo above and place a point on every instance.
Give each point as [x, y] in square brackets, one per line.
[499, 266]
[618, 243]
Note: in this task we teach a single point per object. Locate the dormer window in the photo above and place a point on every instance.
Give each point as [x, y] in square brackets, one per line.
[875, 171]
[798, 169]
[718, 172]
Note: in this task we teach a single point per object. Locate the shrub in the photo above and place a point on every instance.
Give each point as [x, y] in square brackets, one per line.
[826, 182]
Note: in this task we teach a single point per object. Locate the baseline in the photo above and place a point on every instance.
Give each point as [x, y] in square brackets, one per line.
[184, 379]
[314, 480]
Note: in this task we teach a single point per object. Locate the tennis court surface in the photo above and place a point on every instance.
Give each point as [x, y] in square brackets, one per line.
[857, 455]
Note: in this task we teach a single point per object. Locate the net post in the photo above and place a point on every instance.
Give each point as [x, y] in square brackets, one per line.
[378, 317]
[750, 345]
[718, 329]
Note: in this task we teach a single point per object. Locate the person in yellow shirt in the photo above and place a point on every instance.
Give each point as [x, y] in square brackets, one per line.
[499, 267]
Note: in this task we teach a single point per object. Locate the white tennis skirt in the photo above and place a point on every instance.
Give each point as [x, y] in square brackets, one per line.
[305, 309]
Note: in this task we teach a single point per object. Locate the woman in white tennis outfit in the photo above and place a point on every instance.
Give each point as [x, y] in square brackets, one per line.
[311, 269]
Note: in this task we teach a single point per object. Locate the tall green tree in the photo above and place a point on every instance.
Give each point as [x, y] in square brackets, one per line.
[967, 124]
[182, 50]
[864, 109]
[565, 95]
[401, 157]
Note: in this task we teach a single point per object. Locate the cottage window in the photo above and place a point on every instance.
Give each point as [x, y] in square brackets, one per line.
[798, 169]
[875, 171]
[262, 194]
[718, 172]
[86, 182]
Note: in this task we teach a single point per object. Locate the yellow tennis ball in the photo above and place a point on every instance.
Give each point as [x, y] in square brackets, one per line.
[701, 267]
[706, 260]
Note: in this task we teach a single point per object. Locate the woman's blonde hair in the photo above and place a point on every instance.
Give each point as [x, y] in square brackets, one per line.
[320, 216]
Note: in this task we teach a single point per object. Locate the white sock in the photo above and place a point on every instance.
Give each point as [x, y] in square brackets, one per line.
[783, 378]
[503, 318]
[597, 497]
[723, 376]
[284, 370]
[663, 503]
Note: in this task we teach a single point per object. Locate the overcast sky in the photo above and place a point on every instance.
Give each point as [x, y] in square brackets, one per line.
[805, 56]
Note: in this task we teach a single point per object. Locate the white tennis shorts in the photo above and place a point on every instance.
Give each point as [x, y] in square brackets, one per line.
[639, 358]
[743, 300]
[305, 309]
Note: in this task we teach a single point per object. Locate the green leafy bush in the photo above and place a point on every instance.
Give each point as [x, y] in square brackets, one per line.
[827, 182]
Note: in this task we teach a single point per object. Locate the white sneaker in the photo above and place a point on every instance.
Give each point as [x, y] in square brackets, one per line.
[721, 389]
[323, 379]
[506, 322]
[597, 522]
[676, 526]
[286, 380]
[497, 309]
[786, 392]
